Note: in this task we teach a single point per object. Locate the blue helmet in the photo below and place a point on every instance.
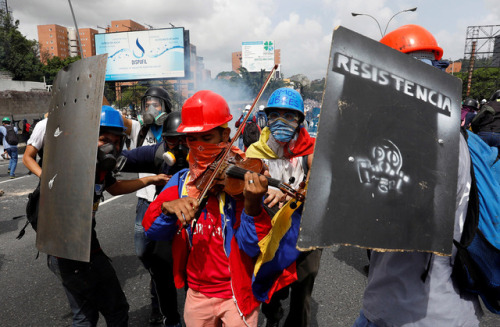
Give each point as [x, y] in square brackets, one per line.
[111, 120]
[286, 98]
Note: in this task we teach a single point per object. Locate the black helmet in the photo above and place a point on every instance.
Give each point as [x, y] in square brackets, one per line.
[471, 103]
[495, 95]
[158, 92]
[171, 123]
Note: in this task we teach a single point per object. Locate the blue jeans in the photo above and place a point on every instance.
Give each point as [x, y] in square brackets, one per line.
[362, 321]
[140, 239]
[12, 152]
[157, 259]
[91, 288]
[490, 138]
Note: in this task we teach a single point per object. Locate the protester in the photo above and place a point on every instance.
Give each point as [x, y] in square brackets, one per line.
[215, 254]
[92, 287]
[414, 288]
[146, 131]
[167, 157]
[286, 148]
[250, 132]
[468, 112]
[25, 131]
[11, 149]
[487, 121]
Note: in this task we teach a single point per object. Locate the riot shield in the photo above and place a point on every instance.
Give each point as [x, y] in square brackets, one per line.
[69, 161]
[384, 174]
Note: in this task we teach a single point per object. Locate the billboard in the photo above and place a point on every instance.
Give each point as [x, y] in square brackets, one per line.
[257, 55]
[149, 54]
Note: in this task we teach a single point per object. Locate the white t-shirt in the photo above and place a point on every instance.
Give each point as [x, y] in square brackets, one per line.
[147, 192]
[38, 134]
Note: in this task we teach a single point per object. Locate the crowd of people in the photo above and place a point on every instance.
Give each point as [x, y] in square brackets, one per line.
[205, 237]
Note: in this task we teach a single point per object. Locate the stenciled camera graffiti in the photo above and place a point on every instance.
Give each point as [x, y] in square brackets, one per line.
[383, 168]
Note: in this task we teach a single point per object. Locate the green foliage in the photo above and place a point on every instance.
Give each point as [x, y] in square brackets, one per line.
[254, 81]
[314, 91]
[18, 55]
[132, 95]
[484, 82]
[54, 65]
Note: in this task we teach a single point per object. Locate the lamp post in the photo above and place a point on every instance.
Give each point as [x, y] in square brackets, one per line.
[386, 26]
[376, 21]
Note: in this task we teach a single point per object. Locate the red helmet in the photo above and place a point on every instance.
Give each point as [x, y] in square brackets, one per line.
[410, 38]
[204, 111]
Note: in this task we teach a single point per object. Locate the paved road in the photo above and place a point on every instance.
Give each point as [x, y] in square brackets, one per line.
[32, 296]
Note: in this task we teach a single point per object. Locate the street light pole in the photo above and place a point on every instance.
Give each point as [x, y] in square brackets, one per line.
[376, 21]
[402, 11]
[380, 29]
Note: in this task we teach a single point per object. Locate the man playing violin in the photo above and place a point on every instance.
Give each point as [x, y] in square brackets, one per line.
[216, 254]
[287, 149]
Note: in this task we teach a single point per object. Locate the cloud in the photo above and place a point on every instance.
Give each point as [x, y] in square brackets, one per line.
[301, 29]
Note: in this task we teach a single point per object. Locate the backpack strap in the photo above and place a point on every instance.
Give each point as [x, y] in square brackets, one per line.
[143, 132]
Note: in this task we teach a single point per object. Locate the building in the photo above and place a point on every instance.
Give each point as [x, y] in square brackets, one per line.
[74, 49]
[88, 41]
[124, 25]
[53, 40]
[236, 59]
[454, 67]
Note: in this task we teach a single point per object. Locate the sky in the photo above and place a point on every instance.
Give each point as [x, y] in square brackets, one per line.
[301, 29]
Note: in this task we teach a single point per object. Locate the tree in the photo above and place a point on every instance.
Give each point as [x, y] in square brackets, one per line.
[132, 95]
[314, 91]
[255, 80]
[484, 82]
[18, 55]
[54, 65]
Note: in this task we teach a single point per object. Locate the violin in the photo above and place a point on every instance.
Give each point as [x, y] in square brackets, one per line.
[228, 171]
[231, 175]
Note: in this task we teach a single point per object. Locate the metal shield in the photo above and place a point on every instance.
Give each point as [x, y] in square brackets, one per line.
[385, 165]
[69, 161]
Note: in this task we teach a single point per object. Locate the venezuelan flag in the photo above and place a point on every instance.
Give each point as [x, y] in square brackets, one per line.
[275, 266]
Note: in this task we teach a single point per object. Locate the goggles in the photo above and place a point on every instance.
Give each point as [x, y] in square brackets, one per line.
[288, 116]
[173, 141]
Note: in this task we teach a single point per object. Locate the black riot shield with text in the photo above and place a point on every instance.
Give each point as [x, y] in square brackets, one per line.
[384, 174]
[69, 160]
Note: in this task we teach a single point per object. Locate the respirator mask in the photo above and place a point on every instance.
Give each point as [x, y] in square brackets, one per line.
[153, 111]
[109, 159]
[176, 151]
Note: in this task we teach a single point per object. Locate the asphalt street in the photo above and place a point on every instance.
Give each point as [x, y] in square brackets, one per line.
[32, 296]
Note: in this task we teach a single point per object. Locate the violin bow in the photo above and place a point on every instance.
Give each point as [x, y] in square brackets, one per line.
[235, 137]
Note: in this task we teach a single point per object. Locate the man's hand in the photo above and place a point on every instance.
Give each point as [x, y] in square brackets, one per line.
[255, 188]
[274, 197]
[184, 209]
[158, 180]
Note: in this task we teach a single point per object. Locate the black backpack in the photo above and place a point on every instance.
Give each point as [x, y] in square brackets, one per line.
[31, 211]
[11, 136]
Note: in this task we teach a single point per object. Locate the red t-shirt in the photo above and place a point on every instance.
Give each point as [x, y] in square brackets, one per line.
[208, 265]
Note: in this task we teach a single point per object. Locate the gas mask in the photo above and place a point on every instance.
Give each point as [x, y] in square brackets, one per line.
[176, 156]
[152, 113]
[108, 158]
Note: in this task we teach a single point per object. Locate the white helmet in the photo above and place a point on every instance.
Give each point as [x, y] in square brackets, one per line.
[247, 107]
[261, 107]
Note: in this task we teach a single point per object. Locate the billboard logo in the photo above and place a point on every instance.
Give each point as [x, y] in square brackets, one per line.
[139, 51]
[269, 46]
